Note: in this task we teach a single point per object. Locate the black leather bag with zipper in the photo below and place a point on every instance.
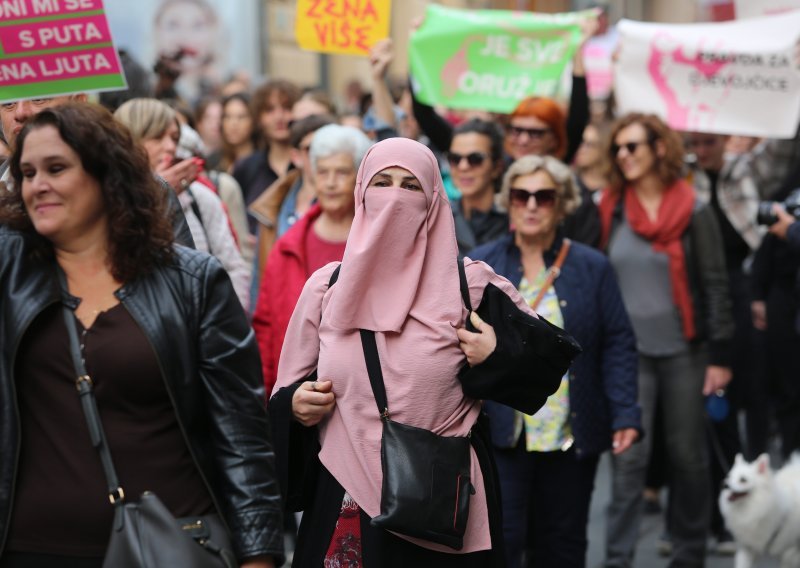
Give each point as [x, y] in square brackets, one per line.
[144, 533]
[426, 477]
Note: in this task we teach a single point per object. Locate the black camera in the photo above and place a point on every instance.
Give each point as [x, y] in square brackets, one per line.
[765, 215]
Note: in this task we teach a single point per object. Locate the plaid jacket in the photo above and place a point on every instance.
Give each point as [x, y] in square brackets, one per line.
[746, 179]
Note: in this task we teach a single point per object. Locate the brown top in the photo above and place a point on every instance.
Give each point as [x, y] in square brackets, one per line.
[61, 506]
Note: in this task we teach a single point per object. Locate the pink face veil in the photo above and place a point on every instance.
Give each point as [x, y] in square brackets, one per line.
[401, 254]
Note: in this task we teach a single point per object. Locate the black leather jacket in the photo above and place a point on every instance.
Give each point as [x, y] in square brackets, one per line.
[209, 361]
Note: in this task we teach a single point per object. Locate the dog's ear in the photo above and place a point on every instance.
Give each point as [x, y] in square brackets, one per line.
[762, 462]
[738, 460]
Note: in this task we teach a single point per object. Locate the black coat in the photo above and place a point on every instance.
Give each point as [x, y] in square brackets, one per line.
[208, 359]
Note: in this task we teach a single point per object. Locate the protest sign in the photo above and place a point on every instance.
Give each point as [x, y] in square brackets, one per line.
[56, 47]
[757, 8]
[342, 26]
[490, 59]
[737, 77]
[597, 55]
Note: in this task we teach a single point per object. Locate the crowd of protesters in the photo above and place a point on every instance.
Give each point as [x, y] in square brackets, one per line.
[655, 249]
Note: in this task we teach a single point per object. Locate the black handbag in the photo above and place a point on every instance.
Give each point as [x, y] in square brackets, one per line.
[426, 477]
[145, 533]
[531, 357]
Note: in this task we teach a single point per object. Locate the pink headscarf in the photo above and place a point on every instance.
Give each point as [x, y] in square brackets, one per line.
[401, 252]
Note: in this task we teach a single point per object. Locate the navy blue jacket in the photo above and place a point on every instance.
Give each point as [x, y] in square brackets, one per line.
[603, 379]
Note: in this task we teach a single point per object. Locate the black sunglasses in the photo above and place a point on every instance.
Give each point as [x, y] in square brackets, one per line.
[474, 159]
[536, 133]
[629, 146]
[543, 197]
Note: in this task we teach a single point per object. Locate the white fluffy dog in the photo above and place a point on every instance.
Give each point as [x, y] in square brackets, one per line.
[762, 510]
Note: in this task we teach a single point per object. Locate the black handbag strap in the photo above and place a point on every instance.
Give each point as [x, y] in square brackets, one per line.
[462, 281]
[371, 349]
[89, 404]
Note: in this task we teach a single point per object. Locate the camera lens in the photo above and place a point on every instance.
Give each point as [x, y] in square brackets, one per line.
[765, 216]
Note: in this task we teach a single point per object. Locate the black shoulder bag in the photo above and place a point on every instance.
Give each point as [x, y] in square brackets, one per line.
[426, 477]
[145, 533]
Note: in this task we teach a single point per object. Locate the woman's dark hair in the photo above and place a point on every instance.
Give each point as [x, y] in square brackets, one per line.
[669, 167]
[228, 151]
[287, 92]
[140, 234]
[489, 129]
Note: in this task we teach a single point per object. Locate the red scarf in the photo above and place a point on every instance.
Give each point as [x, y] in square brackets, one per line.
[674, 215]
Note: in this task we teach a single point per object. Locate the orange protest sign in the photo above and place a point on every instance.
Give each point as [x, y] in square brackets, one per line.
[341, 26]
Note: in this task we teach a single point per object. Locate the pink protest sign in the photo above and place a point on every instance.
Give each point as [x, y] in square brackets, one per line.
[56, 47]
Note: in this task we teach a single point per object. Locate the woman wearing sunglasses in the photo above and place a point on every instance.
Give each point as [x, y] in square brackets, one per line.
[667, 251]
[476, 165]
[572, 286]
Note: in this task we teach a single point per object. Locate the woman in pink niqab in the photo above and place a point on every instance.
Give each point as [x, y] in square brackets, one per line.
[399, 278]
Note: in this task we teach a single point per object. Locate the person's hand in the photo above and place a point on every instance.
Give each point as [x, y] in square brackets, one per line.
[623, 439]
[717, 378]
[312, 402]
[415, 24]
[590, 26]
[179, 176]
[782, 225]
[380, 57]
[758, 310]
[258, 563]
[477, 346]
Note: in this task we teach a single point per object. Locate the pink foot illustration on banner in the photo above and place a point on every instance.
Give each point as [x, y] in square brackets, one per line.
[456, 66]
[668, 60]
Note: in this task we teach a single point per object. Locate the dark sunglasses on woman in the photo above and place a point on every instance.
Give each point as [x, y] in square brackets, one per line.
[543, 197]
[630, 147]
[474, 159]
[533, 133]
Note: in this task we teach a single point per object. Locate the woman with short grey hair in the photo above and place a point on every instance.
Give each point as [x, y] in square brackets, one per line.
[568, 197]
[315, 240]
[547, 461]
[336, 139]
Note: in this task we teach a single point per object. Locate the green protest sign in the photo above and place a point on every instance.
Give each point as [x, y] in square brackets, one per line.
[490, 59]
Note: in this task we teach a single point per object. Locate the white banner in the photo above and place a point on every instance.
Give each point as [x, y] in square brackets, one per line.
[738, 77]
[757, 8]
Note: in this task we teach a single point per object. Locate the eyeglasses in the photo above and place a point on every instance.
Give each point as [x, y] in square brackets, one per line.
[13, 104]
[474, 159]
[533, 133]
[629, 146]
[543, 197]
[707, 142]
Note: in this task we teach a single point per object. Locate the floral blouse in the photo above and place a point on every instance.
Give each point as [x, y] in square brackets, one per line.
[548, 430]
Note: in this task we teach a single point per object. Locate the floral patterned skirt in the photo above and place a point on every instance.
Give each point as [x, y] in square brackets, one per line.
[344, 550]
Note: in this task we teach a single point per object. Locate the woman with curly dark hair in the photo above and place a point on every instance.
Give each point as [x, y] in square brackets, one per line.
[173, 362]
[666, 249]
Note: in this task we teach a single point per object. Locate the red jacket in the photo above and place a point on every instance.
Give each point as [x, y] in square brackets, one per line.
[280, 288]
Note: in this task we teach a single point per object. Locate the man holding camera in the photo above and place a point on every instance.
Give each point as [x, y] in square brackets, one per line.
[776, 305]
[733, 185]
[786, 228]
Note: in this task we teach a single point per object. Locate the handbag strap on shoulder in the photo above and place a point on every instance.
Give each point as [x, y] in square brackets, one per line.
[374, 371]
[462, 281]
[553, 273]
[83, 383]
[371, 348]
